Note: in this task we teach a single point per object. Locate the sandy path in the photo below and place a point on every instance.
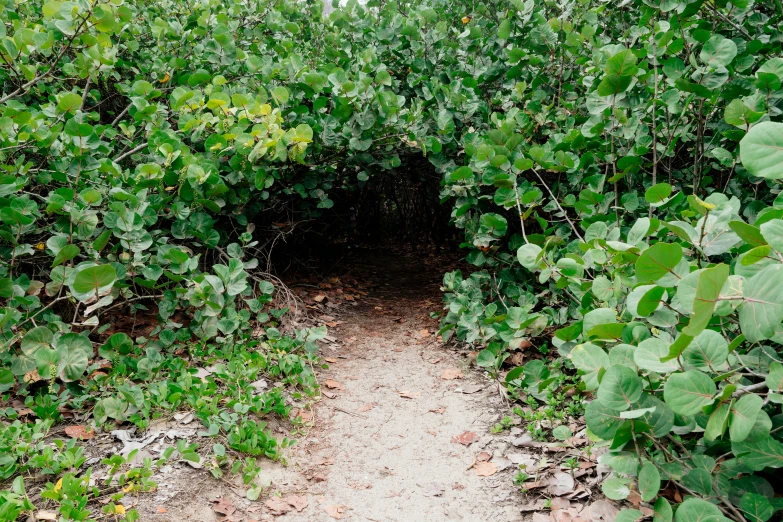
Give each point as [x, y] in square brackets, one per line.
[383, 447]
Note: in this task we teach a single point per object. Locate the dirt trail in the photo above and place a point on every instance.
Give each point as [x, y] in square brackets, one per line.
[383, 447]
[381, 444]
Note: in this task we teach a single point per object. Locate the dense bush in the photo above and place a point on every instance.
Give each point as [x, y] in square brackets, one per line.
[615, 169]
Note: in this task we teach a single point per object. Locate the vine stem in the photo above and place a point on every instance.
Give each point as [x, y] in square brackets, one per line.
[654, 108]
[519, 211]
[573, 227]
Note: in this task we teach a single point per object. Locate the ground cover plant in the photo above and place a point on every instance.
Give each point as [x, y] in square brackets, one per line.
[615, 169]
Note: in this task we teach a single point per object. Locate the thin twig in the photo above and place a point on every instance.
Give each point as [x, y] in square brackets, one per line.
[573, 227]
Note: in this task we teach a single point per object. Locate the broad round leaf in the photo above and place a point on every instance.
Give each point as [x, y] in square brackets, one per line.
[620, 387]
[707, 351]
[590, 359]
[761, 150]
[697, 510]
[602, 421]
[657, 261]
[95, 279]
[649, 481]
[528, 256]
[38, 337]
[762, 312]
[649, 353]
[616, 488]
[688, 392]
[743, 416]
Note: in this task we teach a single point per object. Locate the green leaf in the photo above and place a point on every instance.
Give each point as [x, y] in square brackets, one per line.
[66, 253]
[602, 421]
[658, 415]
[102, 240]
[658, 194]
[662, 510]
[761, 150]
[629, 515]
[743, 416]
[649, 481]
[759, 454]
[616, 488]
[650, 301]
[750, 234]
[72, 363]
[754, 255]
[775, 377]
[658, 261]
[649, 355]
[69, 102]
[756, 507]
[708, 289]
[698, 480]
[589, 359]
[620, 388]
[718, 51]
[6, 287]
[740, 115]
[772, 233]
[698, 510]
[718, 422]
[707, 351]
[504, 29]
[527, 255]
[762, 310]
[95, 279]
[622, 64]
[688, 392]
[461, 173]
[35, 339]
[485, 358]
[7, 380]
[613, 85]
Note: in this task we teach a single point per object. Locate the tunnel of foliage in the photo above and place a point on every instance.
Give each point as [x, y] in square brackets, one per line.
[613, 170]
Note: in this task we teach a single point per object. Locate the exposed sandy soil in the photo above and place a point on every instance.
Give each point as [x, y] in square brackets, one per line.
[382, 444]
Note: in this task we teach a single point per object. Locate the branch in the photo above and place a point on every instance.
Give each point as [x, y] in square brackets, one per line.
[132, 151]
[573, 227]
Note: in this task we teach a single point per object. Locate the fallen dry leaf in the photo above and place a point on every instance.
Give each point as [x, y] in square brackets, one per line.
[467, 438]
[319, 298]
[80, 432]
[46, 515]
[277, 506]
[297, 502]
[484, 456]
[330, 360]
[561, 484]
[328, 394]
[223, 506]
[407, 394]
[424, 333]
[600, 510]
[333, 384]
[451, 374]
[335, 511]
[365, 407]
[439, 411]
[485, 469]
[161, 509]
